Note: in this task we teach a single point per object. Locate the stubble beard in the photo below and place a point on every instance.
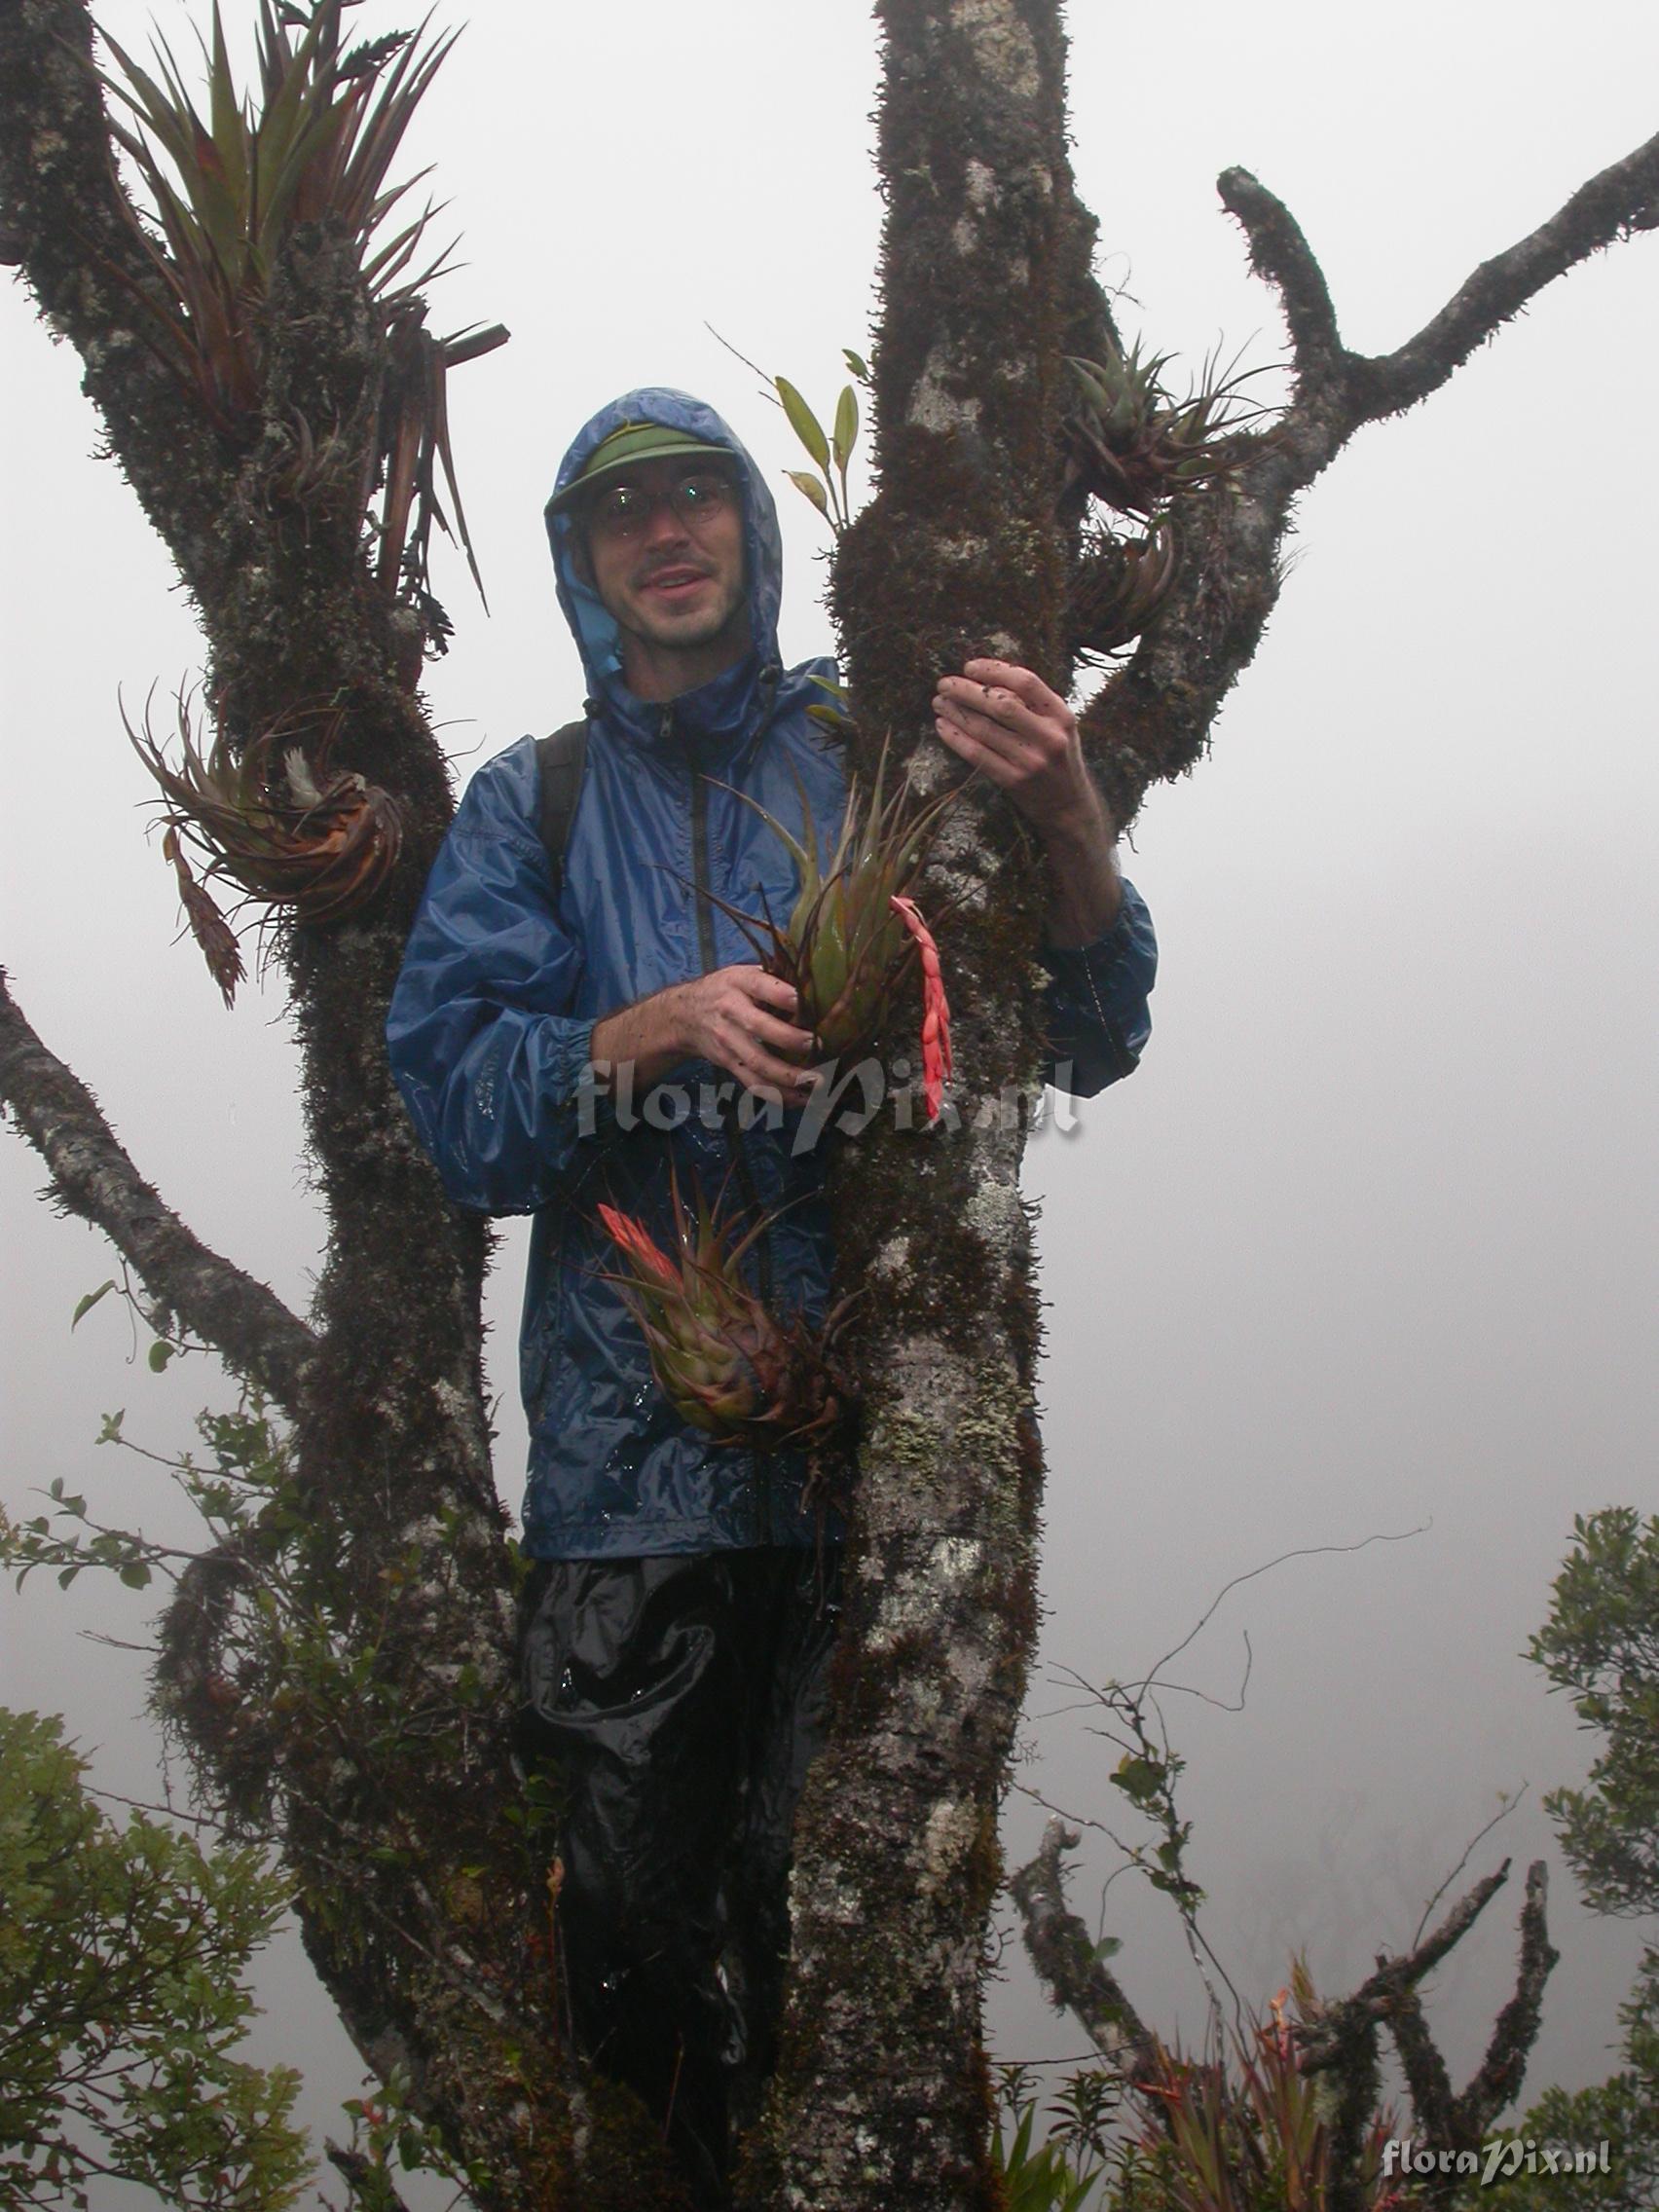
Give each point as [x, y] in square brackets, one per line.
[672, 633]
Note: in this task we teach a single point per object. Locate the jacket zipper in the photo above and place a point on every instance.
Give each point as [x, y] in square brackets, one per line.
[741, 1163]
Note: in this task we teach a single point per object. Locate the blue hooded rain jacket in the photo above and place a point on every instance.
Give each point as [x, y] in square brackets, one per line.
[503, 982]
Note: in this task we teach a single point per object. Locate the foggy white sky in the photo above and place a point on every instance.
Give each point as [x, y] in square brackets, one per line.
[1369, 1242]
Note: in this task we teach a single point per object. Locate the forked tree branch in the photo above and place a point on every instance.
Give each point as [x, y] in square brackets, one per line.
[1151, 721]
[1342, 2041]
[1377, 1998]
[1066, 1963]
[1623, 199]
[94, 1177]
[1516, 2029]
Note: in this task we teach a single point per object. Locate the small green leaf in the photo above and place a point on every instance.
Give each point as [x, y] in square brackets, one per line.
[811, 486]
[86, 1304]
[856, 363]
[135, 1575]
[846, 425]
[160, 1351]
[803, 422]
[1138, 1778]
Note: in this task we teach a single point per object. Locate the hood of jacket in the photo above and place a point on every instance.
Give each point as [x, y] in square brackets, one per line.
[727, 705]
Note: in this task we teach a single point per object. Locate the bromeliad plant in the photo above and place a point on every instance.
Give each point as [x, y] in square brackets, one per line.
[1255, 2137]
[1132, 444]
[1137, 449]
[289, 835]
[227, 192]
[856, 930]
[724, 1361]
[1122, 584]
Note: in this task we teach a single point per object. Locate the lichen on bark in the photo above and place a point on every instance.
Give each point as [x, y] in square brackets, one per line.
[882, 2095]
[421, 1905]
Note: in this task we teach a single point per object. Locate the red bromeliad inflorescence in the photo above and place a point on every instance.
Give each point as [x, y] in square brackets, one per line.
[937, 1062]
[636, 1240]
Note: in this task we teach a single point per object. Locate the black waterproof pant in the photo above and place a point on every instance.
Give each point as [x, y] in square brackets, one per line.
[681, 1701]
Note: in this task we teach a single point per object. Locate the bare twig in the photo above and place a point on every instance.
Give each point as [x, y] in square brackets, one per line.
[1301, 1551]
[94, 1177]
[1473, 1845]
[161, 1812]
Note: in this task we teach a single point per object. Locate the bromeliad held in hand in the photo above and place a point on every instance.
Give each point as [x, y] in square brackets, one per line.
[721, 1359]
[296, 838]
[855, 931]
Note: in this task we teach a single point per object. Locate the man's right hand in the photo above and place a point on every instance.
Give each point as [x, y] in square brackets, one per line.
[738, 1018]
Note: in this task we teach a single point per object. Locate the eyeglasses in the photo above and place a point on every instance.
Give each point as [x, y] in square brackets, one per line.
[623, 512]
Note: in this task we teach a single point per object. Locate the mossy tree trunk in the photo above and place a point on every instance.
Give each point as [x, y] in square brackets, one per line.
[882, 2096]
[376, 1755]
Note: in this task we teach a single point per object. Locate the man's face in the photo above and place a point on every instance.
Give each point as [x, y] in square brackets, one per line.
[665, 545]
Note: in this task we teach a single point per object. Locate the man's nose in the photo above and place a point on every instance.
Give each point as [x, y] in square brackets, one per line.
[663, 527]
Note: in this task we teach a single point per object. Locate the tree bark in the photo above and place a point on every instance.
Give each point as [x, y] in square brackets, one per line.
[372, 1736]
[882, 2097]
[376, 1748]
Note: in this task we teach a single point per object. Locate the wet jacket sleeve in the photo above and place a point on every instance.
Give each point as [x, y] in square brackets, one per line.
[1098, 1018]
[487, 1054]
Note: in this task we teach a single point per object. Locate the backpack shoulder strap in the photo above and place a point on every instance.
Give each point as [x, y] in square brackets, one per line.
[561, 760]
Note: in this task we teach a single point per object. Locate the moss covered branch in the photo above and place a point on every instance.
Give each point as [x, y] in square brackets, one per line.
[1340, 2042]
[94, 1177]
[1151, 721]
[1068, 1964]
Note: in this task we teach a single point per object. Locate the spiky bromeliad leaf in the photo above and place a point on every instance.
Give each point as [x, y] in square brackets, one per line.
[227, 192]
[1251, 2135]
[1120, 584]
[726, 1364]
[852, 937]
[1132, 445]
[289, 835]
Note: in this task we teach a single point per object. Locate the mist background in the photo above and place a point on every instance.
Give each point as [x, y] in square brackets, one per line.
[1367, 1246]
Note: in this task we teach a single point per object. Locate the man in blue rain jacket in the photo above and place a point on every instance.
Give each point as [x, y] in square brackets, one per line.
[675, 1629]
